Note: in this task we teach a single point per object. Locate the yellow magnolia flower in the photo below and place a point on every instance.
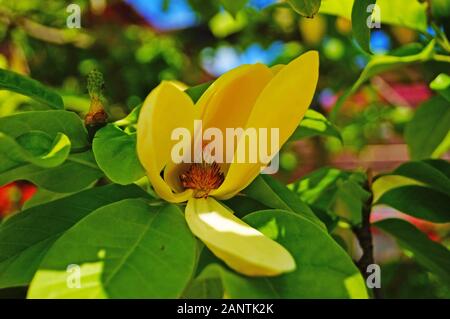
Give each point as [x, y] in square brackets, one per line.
[250, 96]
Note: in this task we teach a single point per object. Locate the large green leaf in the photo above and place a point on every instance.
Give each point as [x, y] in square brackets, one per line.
[20, 84]
[26, 237]
[43, 196]
[115, 152]
[379, 64]
[307, 8]
[406, 13]
[51, 122]
[360, 16]
[273, 194]
[152, 256]
[428, 253]
[434, 173]
[323, 270]
[35, 147]
[418, 201]
[315, 124]
[76, 173]
[428, 128]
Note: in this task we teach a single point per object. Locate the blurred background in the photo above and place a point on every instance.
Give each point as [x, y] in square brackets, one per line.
[138, 43]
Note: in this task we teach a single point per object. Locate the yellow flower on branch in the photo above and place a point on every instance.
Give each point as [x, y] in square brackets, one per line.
[250, 96]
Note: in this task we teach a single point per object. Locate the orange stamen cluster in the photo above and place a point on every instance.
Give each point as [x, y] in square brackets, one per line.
[202, 178]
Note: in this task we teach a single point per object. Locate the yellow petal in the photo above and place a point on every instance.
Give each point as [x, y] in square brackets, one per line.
[240, 246]
[282, 104]
[165, 109]
[227, 103]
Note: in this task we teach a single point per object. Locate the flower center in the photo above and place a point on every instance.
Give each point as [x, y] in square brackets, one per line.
[202, 178]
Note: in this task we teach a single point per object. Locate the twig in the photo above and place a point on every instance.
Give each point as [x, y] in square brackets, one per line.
[364, 236]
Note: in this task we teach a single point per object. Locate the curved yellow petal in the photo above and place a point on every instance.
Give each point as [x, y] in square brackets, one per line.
[282, 104]
[240, 246]
[228, 102]
[165, 109]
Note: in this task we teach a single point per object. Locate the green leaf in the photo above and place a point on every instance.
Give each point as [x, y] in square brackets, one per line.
[204, 288]
[349, 201]
[34, 147]
[206, 9]
[379, 64]
[43, 196]
[234, 6]
[50, 122]
[428, 172]
[242, 205]
[441, 165]
[273, 194]
[405, 13]
[441, 84]
[20, 84]
[428, 128]
[323, 270]
[418, 201]
[320, 190]
[428, 253]
[360, 17]
[26, 237]
[154, 255]
[115, 152]
[315, 124]
[131, 118]
[440, 8]
[195, 92]
[306, 8]
[76, 173]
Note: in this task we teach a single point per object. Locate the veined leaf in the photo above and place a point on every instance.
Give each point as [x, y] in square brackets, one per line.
[418, 201]
[20, 84]
[50, 122]
[34, 147]
[324, 270]
[115, 152]
[428, 253]
[26, 237]
[273, 194]
[153, 256]
[428, 172]
[76, 173]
